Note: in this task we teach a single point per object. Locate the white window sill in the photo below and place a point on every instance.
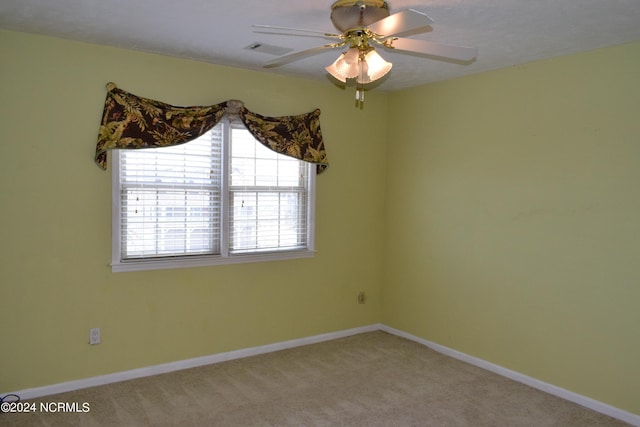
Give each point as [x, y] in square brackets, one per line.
[205, 261]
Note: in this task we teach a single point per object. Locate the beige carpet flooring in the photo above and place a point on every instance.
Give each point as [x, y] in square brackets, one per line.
[372, 379]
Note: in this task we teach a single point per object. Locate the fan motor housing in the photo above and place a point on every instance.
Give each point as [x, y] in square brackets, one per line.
[353, 14]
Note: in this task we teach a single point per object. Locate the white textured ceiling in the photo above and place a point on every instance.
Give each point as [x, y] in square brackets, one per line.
[507, 32]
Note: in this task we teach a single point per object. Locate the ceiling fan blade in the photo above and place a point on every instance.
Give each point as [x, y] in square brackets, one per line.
[283, 33]
[273, 27]
[460, 53]
[401, 22]
[295, 56]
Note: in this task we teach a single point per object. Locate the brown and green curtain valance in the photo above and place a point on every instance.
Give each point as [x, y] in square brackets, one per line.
[130, 122]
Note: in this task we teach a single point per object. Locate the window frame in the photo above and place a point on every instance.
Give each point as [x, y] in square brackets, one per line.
[224, 258]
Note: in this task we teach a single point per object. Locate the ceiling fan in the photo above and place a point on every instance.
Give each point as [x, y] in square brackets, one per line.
[365, 24]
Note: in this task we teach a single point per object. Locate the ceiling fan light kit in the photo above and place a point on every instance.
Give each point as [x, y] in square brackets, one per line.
[367, 22]
[364, 66]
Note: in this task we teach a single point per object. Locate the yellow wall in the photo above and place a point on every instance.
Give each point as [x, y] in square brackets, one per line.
[55, 221]
[514, 219]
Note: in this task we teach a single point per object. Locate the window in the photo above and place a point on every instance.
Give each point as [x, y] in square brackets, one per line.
[222, 198]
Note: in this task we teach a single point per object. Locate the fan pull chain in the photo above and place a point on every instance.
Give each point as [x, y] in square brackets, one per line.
[359, 98]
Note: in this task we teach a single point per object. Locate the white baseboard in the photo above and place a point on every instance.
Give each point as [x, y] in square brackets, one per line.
[36, 392]
[587, 402]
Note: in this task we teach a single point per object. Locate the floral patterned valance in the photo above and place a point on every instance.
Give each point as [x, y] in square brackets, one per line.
[130, 122]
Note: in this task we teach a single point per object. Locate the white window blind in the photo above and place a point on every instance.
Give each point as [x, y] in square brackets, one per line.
[268, 197]
[221, 196]
[171, 199]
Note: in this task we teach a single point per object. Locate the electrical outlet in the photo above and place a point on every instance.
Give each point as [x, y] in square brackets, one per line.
[361, 297]
[94, 336]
